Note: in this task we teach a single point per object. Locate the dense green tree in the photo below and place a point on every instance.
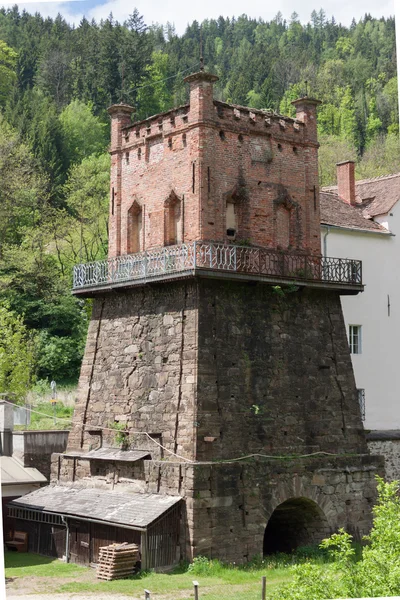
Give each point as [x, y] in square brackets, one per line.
[83, 133]
[80, 231]
[154, 95]
[332, 150]
[22, 188]
[8, 62]
[16, 354]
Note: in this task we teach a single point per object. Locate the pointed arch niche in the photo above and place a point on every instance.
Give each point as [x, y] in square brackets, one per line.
[283, 226]
[172, 220]
[233, 202]
[134, 229]
[287, 221]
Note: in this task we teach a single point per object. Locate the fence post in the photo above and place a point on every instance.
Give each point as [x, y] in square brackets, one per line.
[146, 595]
[196, 590]
[263, 587]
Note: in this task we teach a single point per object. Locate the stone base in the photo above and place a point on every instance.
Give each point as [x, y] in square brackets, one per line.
[234, 511]
[387, 444]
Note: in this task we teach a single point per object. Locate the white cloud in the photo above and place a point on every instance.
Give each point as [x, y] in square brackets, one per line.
[181, 13]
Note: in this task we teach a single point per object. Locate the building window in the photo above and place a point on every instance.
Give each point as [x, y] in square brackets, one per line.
[355, 339]
[361, 401]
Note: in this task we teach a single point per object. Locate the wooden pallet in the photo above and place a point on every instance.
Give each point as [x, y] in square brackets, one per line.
[117, 561]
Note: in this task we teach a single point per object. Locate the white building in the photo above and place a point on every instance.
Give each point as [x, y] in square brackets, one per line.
[362, 220]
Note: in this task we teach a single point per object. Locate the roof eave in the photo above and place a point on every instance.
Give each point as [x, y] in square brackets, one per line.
[356, 230]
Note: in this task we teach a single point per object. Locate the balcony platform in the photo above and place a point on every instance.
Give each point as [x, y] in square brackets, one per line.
[218, 261]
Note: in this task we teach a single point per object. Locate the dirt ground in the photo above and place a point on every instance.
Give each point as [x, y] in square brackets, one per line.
[67, 596]
[37, 588]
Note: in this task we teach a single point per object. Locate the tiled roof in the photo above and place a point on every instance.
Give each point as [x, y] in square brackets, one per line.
[336, 212]
[375, 196]
[136, 510]
[384, 192]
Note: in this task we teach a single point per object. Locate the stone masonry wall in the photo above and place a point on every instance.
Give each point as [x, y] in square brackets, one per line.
[274, 373]
[233, 503]
[139, 369]
[390, 450]
[227, 506]
[220, 370]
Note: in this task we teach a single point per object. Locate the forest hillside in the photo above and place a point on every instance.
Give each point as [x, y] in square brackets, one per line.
[56, 82]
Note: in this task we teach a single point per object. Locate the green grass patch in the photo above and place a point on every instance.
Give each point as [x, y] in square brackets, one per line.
[218, 581]
[21, 564]
[226, 586]
[45, 420]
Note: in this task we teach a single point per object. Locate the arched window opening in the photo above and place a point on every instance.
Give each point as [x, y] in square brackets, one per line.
[135, 243]
[295, 523]
[231, 220]
[173, 220]
[283, 227]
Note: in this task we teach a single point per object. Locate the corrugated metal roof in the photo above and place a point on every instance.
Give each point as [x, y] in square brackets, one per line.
[116, 454]
[135, 510]
[13, 472]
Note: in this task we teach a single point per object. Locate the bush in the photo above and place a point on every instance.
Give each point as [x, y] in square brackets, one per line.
[202, 565]
[376, 573]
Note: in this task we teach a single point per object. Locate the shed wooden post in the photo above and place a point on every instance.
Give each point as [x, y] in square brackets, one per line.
[263, 587]
[143, 551]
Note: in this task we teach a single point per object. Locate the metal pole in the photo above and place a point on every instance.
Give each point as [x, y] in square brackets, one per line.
[64, 520]
[263, 587]
[53, 386]
[196, 590]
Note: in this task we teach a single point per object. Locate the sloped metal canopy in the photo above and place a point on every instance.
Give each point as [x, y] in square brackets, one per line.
[13, 472]
[116, 454]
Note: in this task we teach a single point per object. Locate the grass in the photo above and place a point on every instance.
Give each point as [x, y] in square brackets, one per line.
[216, 581]
[21, 564]
[45, 420]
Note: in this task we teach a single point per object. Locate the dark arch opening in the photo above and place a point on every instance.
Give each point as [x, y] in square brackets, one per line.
[294, 523]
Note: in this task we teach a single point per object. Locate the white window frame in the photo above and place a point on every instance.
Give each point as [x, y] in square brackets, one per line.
[355, 339]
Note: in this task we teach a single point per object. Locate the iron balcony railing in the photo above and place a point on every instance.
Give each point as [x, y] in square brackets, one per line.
[197, 256]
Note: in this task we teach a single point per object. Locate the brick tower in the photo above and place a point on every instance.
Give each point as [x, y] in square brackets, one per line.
[217, 340]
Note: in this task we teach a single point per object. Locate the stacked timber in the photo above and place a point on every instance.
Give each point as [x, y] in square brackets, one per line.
[117, 561]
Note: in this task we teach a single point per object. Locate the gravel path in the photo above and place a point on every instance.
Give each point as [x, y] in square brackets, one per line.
[71, 596]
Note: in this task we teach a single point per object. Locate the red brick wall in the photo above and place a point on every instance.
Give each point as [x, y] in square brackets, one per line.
[346, 181]
[208, 153]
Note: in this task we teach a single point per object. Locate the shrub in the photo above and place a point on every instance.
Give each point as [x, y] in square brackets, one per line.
[376, 573]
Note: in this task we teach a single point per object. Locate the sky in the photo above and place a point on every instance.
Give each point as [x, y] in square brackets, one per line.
[180, 12]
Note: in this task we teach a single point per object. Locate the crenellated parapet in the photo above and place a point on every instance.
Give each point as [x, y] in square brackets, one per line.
[238, 175]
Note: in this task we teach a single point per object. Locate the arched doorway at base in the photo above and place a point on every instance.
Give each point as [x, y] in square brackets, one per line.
[294, 523]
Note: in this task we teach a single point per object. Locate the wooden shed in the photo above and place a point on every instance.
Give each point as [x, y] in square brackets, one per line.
[74, 522]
